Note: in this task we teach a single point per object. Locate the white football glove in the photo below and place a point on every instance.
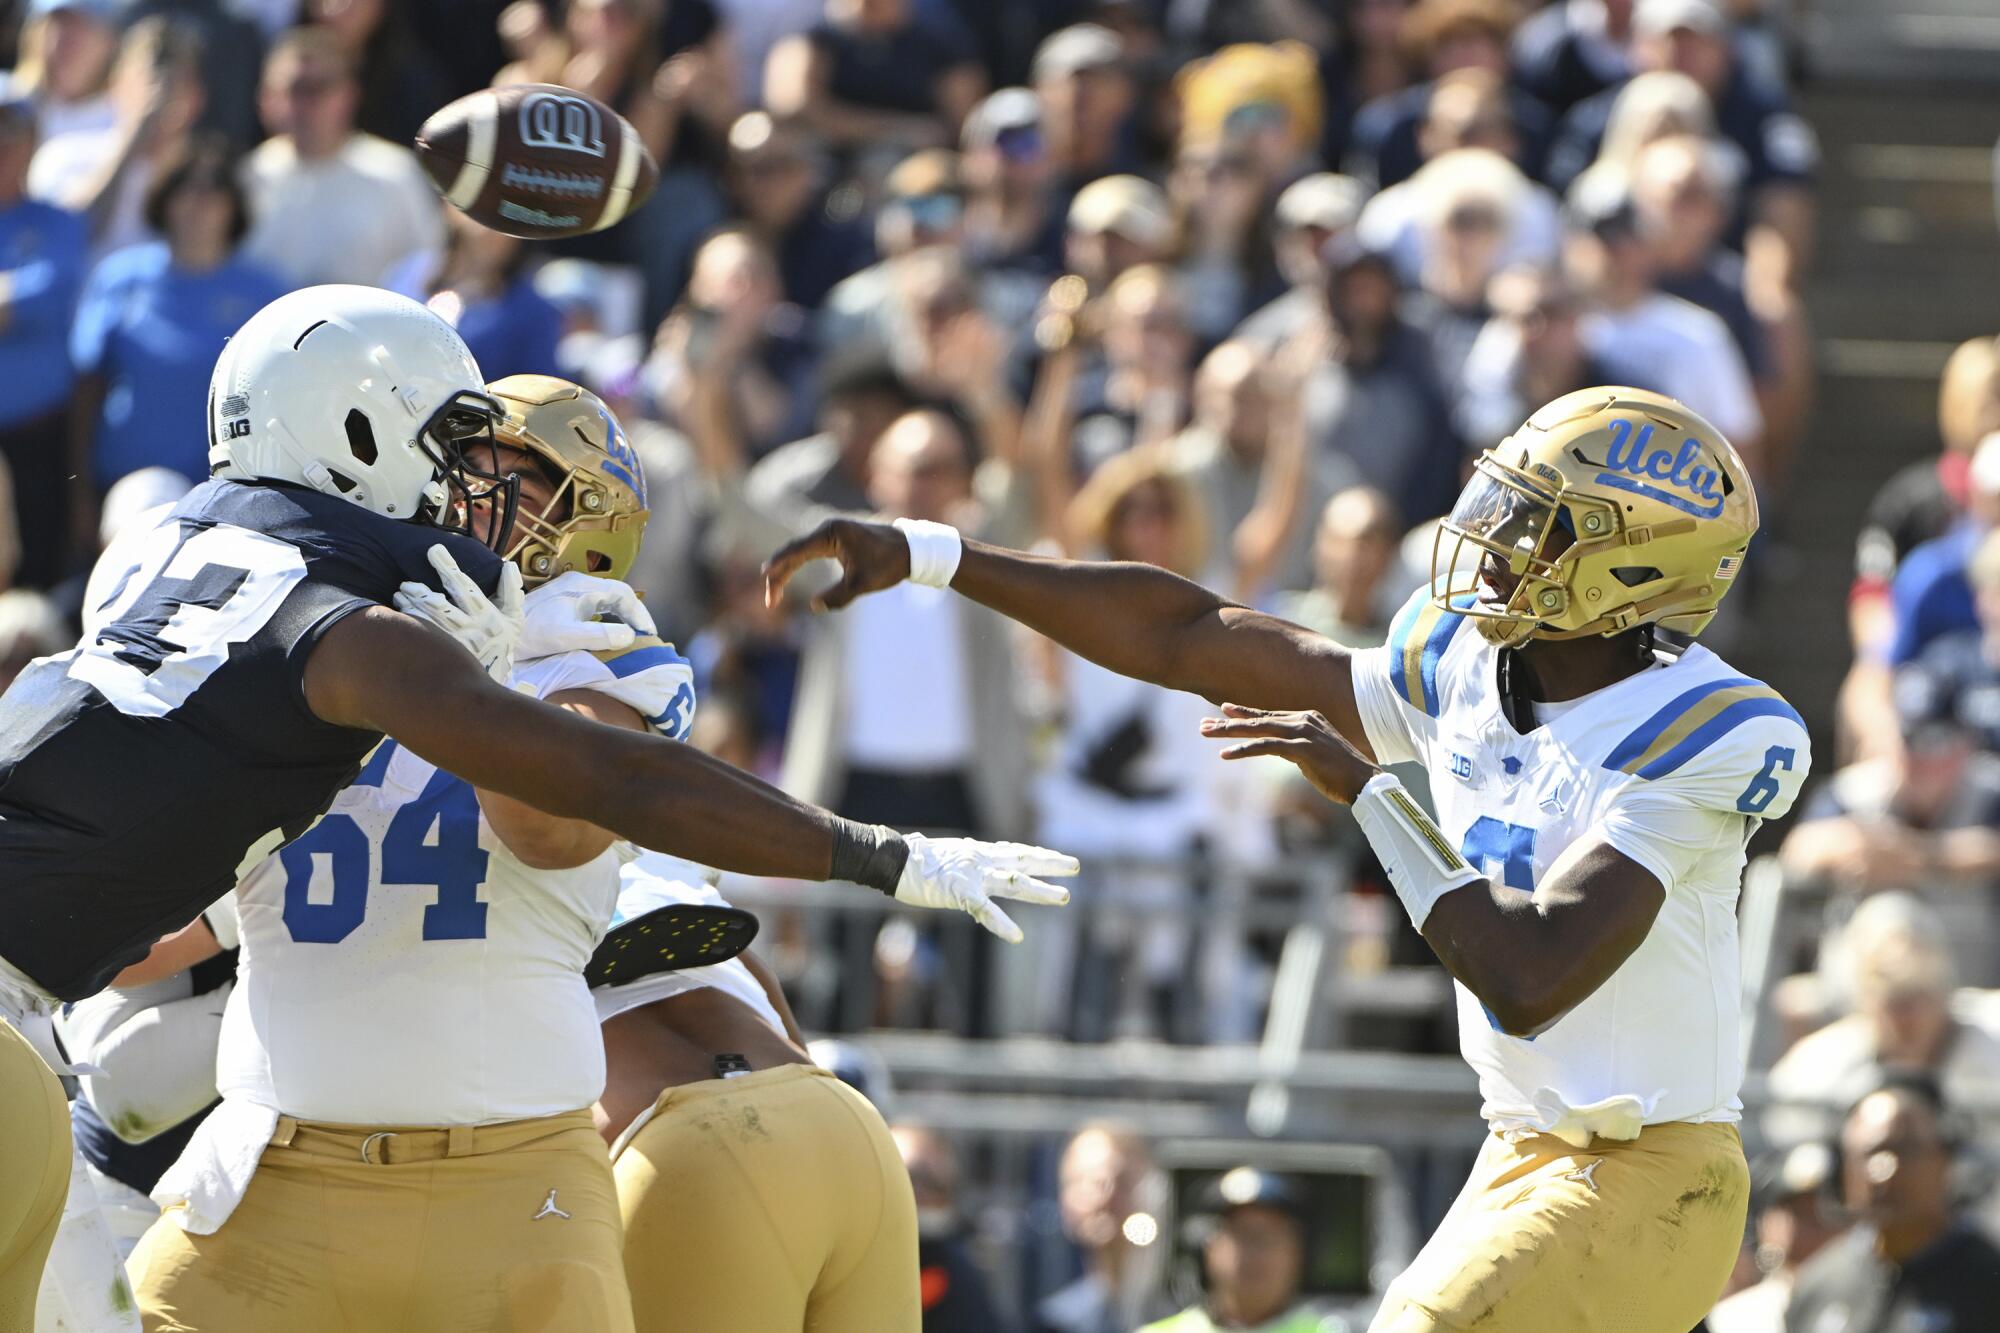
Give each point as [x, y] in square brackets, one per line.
[486, 627]
[563, 613]
[968, 874]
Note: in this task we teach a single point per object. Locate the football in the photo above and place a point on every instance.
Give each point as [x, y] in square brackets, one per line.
[536, 161]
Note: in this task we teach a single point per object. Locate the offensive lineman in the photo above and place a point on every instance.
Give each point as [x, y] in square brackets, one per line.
[1595, 799]
[455, 1039]
[810, 1223]
[251, 660]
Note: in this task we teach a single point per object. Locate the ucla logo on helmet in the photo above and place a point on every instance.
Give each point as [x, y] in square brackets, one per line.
[1683, 481]
[568, 124]
[623, 460]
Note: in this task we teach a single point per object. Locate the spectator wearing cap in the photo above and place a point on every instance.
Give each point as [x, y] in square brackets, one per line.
[1087, 96]
[1403, 219]
[1931, 594]
[1260, 101]
[1780, 152]
[42, 268]
[876, 74]
[1572, 49]
[1675, 347]
[153, 317]
[1914, 1260]
[159, 91]
[955, 1297]
[1106, 1178]
[1446, 37]
[1011, 221]
[1530, 352]
[327, 202]
[1216, 191]
[1793, 1217]
[1114, 224]
[1252, 1228]
[1311, 212]
[1375, 400]
[66, 51]
[923, 205]
[775, 180]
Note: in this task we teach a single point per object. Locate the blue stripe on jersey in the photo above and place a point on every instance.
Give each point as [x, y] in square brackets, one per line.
[644, 658]
[1705, 735]
[1417, 643]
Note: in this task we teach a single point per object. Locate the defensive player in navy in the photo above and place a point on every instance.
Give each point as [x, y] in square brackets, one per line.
[252, 658]
[1595, 794]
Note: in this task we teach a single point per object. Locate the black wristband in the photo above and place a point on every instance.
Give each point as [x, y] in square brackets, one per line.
[870, 854]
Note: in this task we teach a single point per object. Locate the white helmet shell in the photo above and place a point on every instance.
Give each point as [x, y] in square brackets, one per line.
[332, 387]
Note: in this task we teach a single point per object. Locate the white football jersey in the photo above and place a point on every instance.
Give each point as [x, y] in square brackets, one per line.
[1675, 767]
[400, 966]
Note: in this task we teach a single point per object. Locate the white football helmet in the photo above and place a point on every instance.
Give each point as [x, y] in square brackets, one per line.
[362, 394]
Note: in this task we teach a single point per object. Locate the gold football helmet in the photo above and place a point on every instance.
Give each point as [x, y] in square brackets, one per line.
[598, 513]
[1609, 509]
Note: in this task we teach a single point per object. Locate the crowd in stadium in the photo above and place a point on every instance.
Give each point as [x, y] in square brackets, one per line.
[1237, 289]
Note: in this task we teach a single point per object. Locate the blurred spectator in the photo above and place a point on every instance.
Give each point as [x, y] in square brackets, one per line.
[153, 317]
[1116, 223]
[67, 49]
[1107, 1183]
[876, 74]
[1260, 102]
[1354, 554]
[1931, 594]
[1375, 400]
[482, 285]
[1531, 352]
[1408, 221]
[954, 353]
[801, 483]
[1570, 49]
[1473, 209]
[1780, 153]
[1958, 674]
[231, 48]
[39, 277]
[733, 323]
[1448, 37]
[1654, 105]
[30, 627]
[329, 203]
[922, 206]
[1900, 969]
[400, 84]
[1223, 264]
[1914, 1260]
[1792, 1217]
[1013, 231]
[1087, 97]
[1253, 1228]
[1138, 393]
[899, 696]
[1310, 213]
[158, 89]
[955, 1297]
[1672, 347]
[774, 177]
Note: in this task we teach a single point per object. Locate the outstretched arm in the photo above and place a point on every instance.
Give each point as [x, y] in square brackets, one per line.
[380, 670]
[1530, 957]
[1136, 620]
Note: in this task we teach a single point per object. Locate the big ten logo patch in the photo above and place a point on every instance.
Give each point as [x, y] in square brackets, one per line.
[568, 124]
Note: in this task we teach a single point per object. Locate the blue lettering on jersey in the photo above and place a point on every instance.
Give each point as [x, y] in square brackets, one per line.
[1461, 767]
[1629, 467]
[1511, 847]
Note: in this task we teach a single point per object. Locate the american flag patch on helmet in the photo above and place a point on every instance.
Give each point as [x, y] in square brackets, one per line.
[1728, 567]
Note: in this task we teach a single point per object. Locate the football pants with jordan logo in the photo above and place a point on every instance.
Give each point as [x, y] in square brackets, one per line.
[509, 1228]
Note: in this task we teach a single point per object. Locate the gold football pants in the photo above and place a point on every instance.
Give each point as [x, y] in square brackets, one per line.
[34, 1173]
[377, 1229]
[768, 1203]
[1627, 1236]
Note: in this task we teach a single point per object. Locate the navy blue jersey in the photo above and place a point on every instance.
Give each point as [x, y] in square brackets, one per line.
[139, 769]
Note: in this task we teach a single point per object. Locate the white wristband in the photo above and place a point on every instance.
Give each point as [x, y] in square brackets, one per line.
[934, 551]
[1422, 866]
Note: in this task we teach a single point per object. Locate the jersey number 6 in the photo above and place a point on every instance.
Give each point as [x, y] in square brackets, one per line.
[1763, 788]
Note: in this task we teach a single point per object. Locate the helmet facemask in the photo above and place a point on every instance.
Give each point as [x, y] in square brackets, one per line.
[451, 438]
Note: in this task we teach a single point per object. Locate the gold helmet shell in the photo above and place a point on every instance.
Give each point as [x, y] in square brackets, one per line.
[1612, 508]
[598, 512]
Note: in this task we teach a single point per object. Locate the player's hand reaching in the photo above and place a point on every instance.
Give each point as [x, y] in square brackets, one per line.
[968, 874]
[486, 627]
[578, 612]
[1306, 738]
[872, 556]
